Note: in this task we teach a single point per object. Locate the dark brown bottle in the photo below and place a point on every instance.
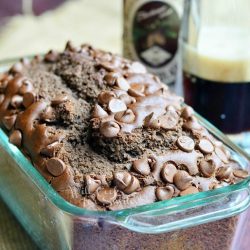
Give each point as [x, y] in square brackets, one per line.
[151, 30]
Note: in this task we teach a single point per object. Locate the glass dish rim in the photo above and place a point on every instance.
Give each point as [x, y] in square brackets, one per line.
[34, 175]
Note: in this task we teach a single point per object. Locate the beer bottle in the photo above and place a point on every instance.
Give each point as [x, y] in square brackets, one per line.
[151, 30]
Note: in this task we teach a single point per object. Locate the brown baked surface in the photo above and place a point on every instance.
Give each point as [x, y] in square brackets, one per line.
[106, 134]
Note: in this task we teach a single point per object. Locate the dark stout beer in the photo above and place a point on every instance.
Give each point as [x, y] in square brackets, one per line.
[216, 77]
[226, 105]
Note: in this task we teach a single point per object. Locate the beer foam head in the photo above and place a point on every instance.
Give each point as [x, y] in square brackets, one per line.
[221, 54]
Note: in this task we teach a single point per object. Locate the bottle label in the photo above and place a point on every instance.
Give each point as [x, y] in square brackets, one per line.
[153, 28]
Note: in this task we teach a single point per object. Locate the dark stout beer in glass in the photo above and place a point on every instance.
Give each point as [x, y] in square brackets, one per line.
[216, 62]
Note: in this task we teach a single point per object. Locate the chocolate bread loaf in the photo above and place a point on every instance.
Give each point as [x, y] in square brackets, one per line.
[106, 134]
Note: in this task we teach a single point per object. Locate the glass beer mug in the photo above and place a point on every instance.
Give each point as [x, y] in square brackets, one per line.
[215, 45]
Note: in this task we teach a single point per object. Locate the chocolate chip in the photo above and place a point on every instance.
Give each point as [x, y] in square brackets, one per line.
[155, 124]
[126, 182]
[17, 68]
[26, 87]
[92, 184]
[138, 87]
[99, 112]
[16, 138]
[25, 61]
[51, 56]
[182, 180]
[185, 143]
[55, 166]
[70, 47]
[148, 119]
[141, 166]
[36, 59]
[122, 83]
[106, 195]
[3, 84]
[219, 152]
[205, 146]
[105, 96]
[122, 179]
[207, 168]
[192, 124]
[116, 105]
[164, 193]
[187, 112]
[168, 172]
[48, 115]
[135, 93]
[151, 122]
[111, 77]
[28, 99]
[1, 98]
[172, 109]
[223, 173]
[127, 99]
[49, 150]
[240, 173]
[133, 186]
[189, 190]
[109, 129]
[16, 101]
[59, 99]
[9, 121]
[109, 66]
[125, 117]
[169, 120]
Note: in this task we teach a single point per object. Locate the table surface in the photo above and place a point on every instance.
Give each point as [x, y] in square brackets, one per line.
[82, 28]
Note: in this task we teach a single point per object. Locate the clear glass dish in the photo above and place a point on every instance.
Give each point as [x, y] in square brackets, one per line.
[206, 220]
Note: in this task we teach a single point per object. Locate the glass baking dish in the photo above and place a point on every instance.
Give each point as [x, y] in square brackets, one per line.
[206, 220]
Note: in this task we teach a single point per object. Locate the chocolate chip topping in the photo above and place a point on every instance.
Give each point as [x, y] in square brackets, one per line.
[116, 105]
[16, 138]
[28, 99]
[16, 101]
[240, 173]
[168, 172]
[99, 112]
[182, 180]
[26, 87]
[141, 166]
[17, 68]
[223, 173]
[122, 179]
[59, 99]
[205, 146]
[164, 193]
[106, 134]
[185, 143]
[9, 121]
[110, 129]
[92, 184]
[106, 195]
[55, 166]
[219, 152]
[125, 116]
[207, 168]
[189, 190]
[1, 98]
[187, 112]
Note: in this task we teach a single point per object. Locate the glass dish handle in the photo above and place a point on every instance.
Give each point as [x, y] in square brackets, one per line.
[189, 213]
